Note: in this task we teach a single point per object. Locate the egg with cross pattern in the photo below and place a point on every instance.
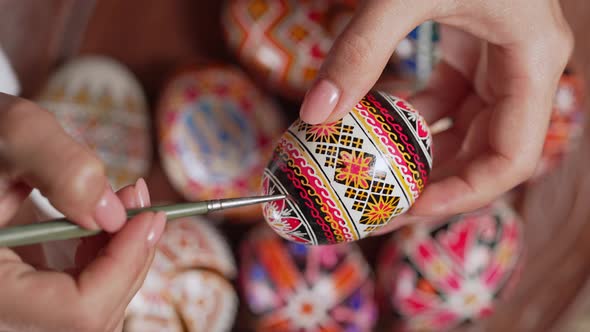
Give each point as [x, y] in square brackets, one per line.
[347, 179]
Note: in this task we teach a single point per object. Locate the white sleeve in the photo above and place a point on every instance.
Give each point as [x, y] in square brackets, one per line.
[8, 81]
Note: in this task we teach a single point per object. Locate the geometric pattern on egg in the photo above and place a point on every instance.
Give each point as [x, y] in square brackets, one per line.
[436, 277]
[348, 178]
[284, 43]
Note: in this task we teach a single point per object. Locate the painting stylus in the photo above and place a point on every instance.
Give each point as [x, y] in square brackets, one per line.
[62, 229]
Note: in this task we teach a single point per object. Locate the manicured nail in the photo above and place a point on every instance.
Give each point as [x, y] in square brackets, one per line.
[319, 102]
[109, 213]
[158, 225]
[143, 194]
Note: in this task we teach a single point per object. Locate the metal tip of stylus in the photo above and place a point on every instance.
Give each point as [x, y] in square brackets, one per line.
[239, 202]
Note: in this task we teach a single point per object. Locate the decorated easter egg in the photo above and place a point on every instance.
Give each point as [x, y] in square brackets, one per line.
[441, 275]
[285, 42]
[216, 133]
[566, 124]
[348, 178]
[289, 286]
[99, 102]
[188, 287]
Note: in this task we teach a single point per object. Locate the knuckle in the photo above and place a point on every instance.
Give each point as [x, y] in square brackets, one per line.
[354, 49]
[16, 118]
[83, 172]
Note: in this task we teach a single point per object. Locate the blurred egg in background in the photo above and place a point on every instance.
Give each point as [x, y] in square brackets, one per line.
[216, 131]
[289, 286]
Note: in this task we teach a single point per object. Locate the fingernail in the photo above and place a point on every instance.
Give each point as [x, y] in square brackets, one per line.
[319, 102]
[143, 194]
[158, 225]
[109, 213]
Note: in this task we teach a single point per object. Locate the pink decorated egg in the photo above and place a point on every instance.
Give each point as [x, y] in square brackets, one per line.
[216, 133]
[293, 287]
[566, 124]
[284, 42]
[188, 287]
[438, 276]
[349, 178]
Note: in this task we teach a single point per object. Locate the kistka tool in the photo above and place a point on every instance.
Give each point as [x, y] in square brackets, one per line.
[62, 229]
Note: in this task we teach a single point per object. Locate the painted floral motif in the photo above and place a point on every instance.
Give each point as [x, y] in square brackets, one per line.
[293, 287]
[355, 170]
[380, 210]
[323, 132]
[437, 277]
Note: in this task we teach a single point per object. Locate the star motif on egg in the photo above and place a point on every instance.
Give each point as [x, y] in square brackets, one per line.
[380, 209]
[325, 133]
[355, 170]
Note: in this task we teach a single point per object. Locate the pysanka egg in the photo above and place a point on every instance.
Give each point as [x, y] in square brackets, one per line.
[289, 286]
[285, 42]
[349, 178]
[216, 133]
[441, 275]
[101, 104]
[188, 287]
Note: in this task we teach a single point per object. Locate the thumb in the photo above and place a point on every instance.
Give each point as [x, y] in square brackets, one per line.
[35, 150]
[359, 56]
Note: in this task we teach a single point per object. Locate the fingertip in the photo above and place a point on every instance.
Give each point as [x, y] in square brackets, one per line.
[157, 228]
[122, 260]
[143, 193]
[320, 102]
[129, 196]
[73, 182]
[109, 212]
[445, 197]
